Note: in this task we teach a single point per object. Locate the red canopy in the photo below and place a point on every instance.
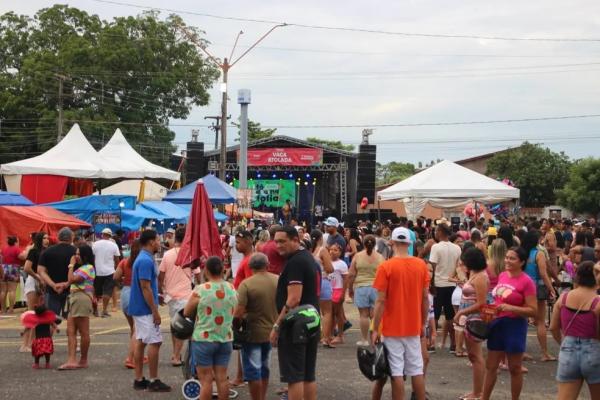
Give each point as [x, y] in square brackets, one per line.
[202, 238]
[21, 221]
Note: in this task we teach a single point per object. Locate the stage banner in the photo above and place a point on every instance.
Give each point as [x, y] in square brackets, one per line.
[289, 156]
[271, 192]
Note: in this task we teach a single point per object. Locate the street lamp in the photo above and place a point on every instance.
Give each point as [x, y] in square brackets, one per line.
[225, 66]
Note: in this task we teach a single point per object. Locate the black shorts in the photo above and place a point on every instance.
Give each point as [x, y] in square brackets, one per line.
[443, 299]
[104, 285]
[297, 362]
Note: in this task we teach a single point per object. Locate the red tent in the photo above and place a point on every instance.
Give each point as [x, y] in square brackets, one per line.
[21, 221]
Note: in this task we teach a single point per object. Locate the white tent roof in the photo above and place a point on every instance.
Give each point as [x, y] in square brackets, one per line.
[124, 162]
[152, 190]
[73, 156]
[448, 180]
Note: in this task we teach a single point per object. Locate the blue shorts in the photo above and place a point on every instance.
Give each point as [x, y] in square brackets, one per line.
[255, 361]
[508, 335]
[125, 295]
[579, 359]
[326, 290]
[365, 297]
[209, 354]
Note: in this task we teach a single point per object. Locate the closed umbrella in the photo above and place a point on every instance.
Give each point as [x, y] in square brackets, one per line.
[201, 236]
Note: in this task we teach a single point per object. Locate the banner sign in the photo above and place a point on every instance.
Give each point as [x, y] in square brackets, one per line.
[106, 219]
[289, 156]
[244, 201]
[271, 192]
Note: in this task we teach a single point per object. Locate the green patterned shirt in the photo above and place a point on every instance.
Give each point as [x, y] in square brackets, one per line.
[215, 312]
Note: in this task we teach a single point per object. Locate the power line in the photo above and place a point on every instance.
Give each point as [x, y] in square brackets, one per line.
[352, 29]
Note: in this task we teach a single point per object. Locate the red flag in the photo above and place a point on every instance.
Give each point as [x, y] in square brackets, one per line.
[201, 235]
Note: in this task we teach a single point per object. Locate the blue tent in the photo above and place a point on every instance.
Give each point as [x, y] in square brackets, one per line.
[86, 207]
[13, 199]
[161, 214]
[168, 210]
[219, 217]
[218, 192]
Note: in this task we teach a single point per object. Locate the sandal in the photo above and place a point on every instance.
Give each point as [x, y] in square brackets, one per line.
[68, 367]
[129, 364]
[460, 354]
[548, 358]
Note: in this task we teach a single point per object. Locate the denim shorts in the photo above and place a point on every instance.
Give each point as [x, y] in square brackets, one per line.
[365, 296]
[209, 354]
[579, 358]
[125, 295]
[255, 361]
[326, 291]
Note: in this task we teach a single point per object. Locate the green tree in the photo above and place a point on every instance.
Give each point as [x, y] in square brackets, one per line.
[582, 190]
[537, 171]
[255, 131]
[336, 144]
[393, 172]
[135, 73]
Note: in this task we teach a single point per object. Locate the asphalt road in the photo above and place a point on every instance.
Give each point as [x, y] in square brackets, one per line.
[338, 375]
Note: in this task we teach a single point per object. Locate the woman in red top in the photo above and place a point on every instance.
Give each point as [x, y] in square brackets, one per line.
[123, 275]
[11, 267]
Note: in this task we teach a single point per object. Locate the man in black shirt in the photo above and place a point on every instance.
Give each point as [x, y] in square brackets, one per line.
[53, 268]
[298, 284]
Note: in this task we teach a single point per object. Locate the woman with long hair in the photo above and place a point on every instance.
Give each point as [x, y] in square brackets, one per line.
[495, 264]
[263, 238]
[123, 275]
[353, 244]
[537, 269]
[515, 301]
[575, 328]
[81, 280]
[360, 284]
[34, 282]
[11, 265]
[474, 295]
[321, 255]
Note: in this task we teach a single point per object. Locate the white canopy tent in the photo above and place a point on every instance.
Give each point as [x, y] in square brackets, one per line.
[124, 162]
[447, 185]
[152, 190]
[73, 156]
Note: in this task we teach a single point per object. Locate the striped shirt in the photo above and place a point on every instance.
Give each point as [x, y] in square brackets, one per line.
[88, 273]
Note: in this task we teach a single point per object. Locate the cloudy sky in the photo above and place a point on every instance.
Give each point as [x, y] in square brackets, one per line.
[302, 76]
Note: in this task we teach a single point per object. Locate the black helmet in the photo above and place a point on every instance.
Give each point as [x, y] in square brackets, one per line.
[372, 361]
[304, 321]
[181, 326]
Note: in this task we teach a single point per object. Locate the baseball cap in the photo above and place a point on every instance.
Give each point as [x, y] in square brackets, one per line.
[106, 231]
[244, 234]
[170, 230]
[332, 221]
[401, 235]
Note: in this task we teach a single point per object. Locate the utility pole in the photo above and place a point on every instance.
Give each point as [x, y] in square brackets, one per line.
[244, 98]
[225, 66]
[61, 79]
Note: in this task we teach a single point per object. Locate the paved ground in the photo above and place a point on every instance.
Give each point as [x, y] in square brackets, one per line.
[338, 374]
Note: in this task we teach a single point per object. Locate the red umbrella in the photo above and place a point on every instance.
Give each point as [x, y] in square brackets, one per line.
[201, 236]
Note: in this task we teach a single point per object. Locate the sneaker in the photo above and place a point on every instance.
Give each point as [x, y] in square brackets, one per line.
[158, 386]
[431, 349]
[141, 385]
[347, 325]
[452, 350]
[362, 343]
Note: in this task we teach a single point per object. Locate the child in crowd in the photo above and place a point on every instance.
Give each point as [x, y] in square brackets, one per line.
[339, 283]
[44, 322]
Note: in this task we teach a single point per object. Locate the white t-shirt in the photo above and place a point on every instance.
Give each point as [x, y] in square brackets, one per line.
[337, 276]
[236, 256]
[445, 255]
[105, 252]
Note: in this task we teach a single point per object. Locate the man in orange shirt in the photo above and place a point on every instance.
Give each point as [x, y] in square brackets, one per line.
[402, 307]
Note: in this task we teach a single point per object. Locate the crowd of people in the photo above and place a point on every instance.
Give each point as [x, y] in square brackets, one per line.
[490, 280]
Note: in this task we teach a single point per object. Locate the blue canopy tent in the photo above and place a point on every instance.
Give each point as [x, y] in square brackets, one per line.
[160, 214]
[219, 217]
[13, 199]
[85, 208]
[218, 192]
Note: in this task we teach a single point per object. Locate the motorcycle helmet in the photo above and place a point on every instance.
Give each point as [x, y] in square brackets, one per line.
[181, 326]
[372, 361]
[304, 322]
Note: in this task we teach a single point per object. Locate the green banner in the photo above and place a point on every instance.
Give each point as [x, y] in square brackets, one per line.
[271, 192]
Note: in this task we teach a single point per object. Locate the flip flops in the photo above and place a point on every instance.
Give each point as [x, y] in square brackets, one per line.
[68, 367]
